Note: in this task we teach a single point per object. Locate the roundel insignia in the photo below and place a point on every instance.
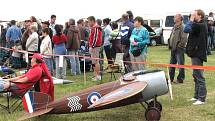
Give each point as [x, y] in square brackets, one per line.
[93, 97]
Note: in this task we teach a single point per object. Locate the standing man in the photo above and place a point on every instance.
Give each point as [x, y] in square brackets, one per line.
[125, 32]
[13, 34]
[178, 41]
[72, 45]
[197, 49]
[52, 24]
[95, 42]
[84, 34]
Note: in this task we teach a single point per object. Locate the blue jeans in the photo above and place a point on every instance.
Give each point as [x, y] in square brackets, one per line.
[74, 62]
[177, 56]
[49, 63]
[200, 86]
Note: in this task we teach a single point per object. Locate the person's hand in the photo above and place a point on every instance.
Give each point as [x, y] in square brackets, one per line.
[193, 15]
[134, 43]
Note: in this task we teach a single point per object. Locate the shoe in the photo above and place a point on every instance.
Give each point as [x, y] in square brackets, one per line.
[193, 99]
[198, 102]
[96, 78]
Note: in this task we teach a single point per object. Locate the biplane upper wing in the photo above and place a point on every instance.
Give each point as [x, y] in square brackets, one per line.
[124, 92]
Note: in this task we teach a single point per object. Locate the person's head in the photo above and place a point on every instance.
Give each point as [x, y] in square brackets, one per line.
[71, 21]
[13, 22]
[99, 22]
[199, 15]
[27, 23]
[130, 15]
[178, 18]
[33, 19]
[45, 24]
[58, 29]
[114, 25]
[53, 19]
[125, 17]
[106, 21]
[211, 14]
[138, 21]
[33, 29]
[91, 21]
[45, 31]
[67, 25]
[36, 59]
[80, 22]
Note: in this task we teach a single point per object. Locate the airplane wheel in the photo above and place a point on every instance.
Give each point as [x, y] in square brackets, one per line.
[157, 105]
[152, 114]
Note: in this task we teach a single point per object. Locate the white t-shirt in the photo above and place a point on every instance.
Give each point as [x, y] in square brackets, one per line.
[46, 46]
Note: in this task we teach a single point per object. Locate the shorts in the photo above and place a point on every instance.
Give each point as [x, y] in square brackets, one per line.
[94, 54]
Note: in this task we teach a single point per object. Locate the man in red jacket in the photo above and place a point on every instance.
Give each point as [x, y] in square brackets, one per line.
[95, 42]
[38, 72]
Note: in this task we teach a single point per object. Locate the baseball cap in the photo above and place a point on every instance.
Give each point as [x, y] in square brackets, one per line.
[37, 56]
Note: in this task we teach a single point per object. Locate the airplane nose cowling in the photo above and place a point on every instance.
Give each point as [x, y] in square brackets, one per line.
[157, 84]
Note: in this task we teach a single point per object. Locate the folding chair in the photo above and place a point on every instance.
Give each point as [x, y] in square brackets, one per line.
[12, 103]
[13, 100]
[117, 66]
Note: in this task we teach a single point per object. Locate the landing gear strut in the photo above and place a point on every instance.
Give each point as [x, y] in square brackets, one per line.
[153, 110]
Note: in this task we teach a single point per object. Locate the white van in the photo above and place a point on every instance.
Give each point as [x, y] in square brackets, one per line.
[169, 23]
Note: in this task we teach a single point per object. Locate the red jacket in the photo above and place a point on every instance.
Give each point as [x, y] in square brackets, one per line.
[57, 40]
[95, 39]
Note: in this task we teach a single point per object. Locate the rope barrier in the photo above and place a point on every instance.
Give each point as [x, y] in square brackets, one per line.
[208, 68]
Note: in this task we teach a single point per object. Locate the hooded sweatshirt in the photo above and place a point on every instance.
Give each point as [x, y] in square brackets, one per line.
[73, 38]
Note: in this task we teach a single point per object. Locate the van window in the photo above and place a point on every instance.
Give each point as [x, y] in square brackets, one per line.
[155, 23]
[186, 19]
[146, 22]
[170, 20]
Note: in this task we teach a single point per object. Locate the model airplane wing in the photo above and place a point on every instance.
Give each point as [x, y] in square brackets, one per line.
[124, 92]
[34, 114]
[35, 104]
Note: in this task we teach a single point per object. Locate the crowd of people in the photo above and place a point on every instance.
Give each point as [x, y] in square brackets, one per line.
[128, 36]
[100, 36]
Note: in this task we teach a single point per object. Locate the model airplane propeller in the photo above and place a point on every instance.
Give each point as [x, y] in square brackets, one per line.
[134, 87]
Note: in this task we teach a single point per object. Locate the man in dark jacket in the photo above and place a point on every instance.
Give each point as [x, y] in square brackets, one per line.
[73, 44]
[125, 31]
[197, 50]
[178, 40]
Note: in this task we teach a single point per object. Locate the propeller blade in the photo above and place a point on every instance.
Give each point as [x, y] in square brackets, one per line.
[169, 85]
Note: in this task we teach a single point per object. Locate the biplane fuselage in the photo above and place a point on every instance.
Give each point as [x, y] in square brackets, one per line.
[80, 101]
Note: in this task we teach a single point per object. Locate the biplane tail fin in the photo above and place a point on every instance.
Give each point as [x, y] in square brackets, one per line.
[34, 101]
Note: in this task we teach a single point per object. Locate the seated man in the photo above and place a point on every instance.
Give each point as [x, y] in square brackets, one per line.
[37, 72]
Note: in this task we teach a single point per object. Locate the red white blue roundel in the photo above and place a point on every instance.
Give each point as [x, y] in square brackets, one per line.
[93, 97]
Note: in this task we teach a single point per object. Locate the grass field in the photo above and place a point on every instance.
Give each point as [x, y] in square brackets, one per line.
[180, 109]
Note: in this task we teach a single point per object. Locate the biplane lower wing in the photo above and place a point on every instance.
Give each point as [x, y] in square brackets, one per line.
[124, 92]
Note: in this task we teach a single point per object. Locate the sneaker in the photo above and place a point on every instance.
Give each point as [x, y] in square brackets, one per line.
[193, 99]
[198, 102]
[99, 78]
[96, 78]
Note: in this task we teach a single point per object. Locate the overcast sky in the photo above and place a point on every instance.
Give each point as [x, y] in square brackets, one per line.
[65, 9]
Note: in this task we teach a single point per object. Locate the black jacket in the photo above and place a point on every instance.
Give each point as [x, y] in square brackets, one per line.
[197, 41]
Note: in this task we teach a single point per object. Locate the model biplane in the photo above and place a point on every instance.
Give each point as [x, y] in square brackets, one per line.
[135, 87]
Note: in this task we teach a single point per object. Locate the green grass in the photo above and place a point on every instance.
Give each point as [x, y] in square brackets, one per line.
[180, 109]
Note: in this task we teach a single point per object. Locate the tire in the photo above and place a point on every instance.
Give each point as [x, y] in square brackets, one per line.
[153, 42]
[157, 105]
[152, 114]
